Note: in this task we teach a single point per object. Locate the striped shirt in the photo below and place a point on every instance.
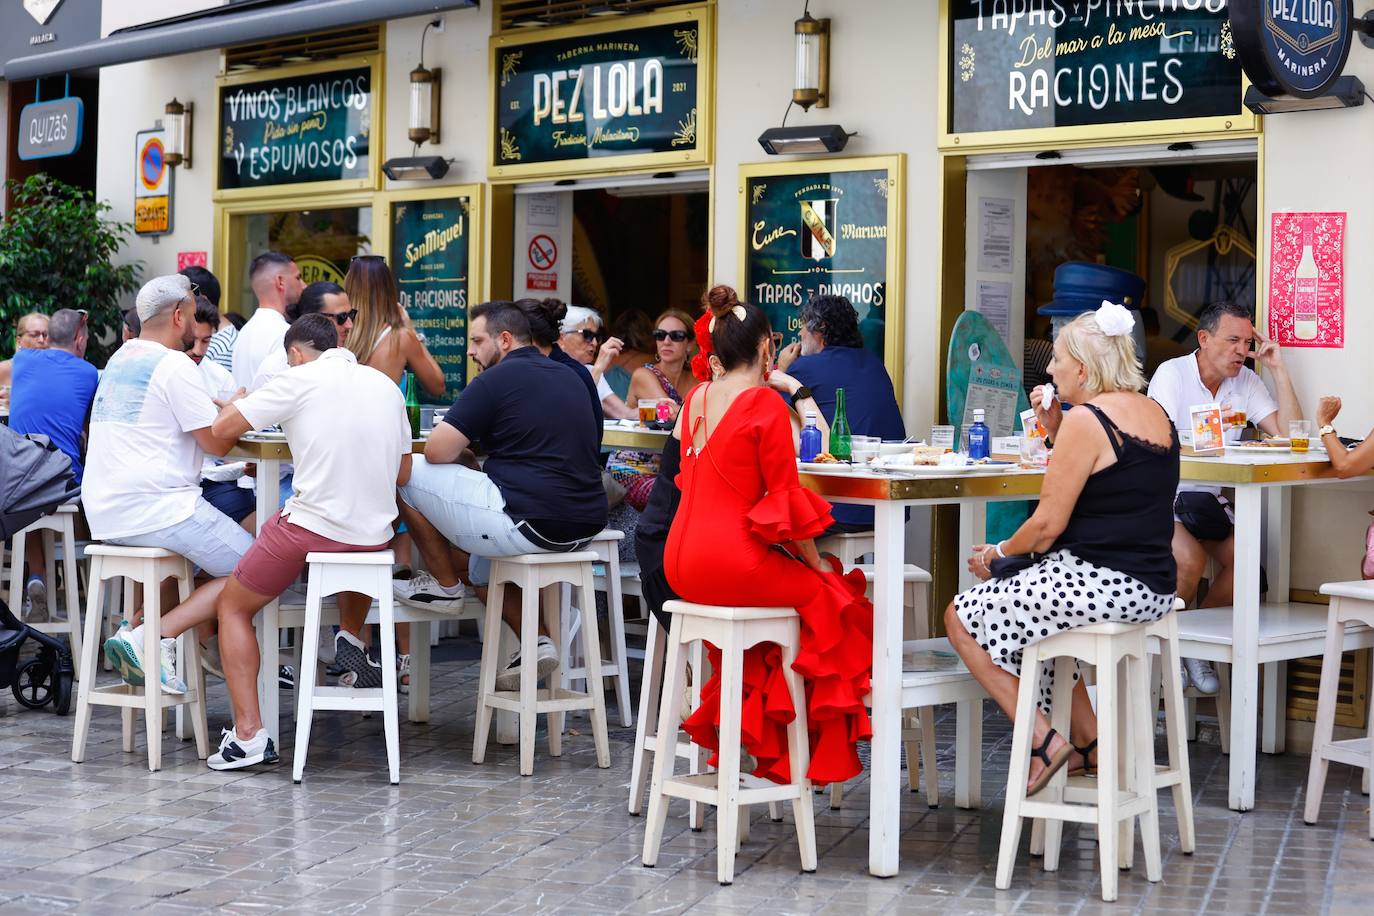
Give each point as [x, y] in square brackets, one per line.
[221, 348]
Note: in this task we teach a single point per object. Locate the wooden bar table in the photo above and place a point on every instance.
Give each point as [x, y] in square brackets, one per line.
[269, 452]
[636, 437]
[1250, 633]
[890, 494]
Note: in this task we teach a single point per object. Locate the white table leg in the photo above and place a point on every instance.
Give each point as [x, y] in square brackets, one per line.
[1245, 649]
[973, 529]
[1278, 501]
[269, 691]
[885, 790]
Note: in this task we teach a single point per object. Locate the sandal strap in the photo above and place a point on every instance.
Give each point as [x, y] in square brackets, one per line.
[1086, 749]
[1043, 751]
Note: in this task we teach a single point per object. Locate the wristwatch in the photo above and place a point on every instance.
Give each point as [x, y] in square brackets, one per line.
[1328, 428]
[801, 394]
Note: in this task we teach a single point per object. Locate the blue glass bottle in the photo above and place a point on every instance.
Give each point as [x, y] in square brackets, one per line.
[979, 438]
[810, 439]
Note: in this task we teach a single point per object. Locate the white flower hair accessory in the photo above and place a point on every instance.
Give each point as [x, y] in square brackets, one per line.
[1114, 320]
[738, 312]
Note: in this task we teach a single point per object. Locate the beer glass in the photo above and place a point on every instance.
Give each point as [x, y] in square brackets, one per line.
[1300, 434]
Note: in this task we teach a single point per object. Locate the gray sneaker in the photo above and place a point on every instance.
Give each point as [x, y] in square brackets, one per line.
[358, 669]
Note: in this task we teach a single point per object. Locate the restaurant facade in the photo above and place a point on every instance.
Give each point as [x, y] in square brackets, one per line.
[609, 153]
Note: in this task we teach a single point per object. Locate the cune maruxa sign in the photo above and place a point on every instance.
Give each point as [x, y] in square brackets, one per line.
[1292, 47]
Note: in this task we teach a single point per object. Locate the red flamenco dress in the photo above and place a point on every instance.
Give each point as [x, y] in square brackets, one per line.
[740, 497]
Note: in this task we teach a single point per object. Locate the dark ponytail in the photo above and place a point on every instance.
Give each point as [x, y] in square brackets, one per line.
[545, 316]
[735, 339]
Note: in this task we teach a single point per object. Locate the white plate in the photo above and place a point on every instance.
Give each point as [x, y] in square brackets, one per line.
[935, 470]
[839, 467]
[1257, 449]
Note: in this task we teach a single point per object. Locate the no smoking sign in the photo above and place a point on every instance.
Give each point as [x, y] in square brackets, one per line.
[543, 252]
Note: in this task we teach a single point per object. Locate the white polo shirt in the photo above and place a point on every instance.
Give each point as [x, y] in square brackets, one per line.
[347, 428]
[260, 338]
[1177, 386]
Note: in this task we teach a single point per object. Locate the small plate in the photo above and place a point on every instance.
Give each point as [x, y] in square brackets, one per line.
[935, 470]
[839, 467]
[1279, 445]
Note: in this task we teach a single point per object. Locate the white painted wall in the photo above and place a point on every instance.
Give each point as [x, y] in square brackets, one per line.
[4, 137]
[1319, 161]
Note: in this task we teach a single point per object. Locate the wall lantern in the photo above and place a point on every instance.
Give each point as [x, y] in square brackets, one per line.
[176, 121]
[424, 96]
[811, 84]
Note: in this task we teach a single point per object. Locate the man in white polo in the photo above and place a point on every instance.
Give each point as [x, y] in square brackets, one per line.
[1216, 372]
[277, 286]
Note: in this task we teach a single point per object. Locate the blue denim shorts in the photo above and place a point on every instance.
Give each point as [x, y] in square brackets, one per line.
[210, 539]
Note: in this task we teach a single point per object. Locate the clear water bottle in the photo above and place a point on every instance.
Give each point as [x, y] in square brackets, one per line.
[979, 438]
[810, 438]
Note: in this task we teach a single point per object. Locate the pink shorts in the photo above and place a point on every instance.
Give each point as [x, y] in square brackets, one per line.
[277, 557]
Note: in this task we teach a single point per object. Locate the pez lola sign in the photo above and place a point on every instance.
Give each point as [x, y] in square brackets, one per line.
[1293, 47]
[48, 129]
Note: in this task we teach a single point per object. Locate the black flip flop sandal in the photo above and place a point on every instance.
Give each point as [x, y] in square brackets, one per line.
[1052, 764]
[1087, 769]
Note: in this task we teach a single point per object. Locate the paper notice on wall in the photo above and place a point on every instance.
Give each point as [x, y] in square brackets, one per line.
[996, 234]
[1307, 279]
[994, 302]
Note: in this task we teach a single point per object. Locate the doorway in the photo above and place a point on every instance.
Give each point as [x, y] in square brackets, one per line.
[321, 239]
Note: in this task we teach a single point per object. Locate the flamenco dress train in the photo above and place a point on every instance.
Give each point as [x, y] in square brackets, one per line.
[741, 501]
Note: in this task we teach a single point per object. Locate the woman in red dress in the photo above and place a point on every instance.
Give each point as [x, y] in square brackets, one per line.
[744, 536]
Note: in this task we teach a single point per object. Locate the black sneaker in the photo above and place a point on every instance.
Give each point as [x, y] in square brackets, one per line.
[358, 669]
[286, 677]
[235, 753]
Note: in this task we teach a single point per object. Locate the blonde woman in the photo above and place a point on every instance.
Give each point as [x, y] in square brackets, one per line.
[1097, 548]
[382, 335]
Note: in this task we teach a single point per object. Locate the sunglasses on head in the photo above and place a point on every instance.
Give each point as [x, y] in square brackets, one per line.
[366, 257]
[587, 334]
[674, 336]
[343, 318]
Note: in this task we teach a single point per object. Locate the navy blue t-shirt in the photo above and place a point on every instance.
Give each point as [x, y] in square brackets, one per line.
[531, 416]
[869, 402]
[558, 356]
[50, 394]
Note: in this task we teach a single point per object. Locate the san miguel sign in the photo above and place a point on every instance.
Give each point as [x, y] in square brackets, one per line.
[1293, 47]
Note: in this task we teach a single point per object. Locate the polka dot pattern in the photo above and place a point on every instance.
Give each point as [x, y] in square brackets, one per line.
[1058, 593]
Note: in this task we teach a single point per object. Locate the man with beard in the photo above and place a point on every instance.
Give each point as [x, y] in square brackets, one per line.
[150, 431]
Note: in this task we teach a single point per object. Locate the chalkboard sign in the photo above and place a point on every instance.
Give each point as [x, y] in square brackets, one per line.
[574, 100]
[431, 245]
[1053, 64]
[823, 229]
[296, 129]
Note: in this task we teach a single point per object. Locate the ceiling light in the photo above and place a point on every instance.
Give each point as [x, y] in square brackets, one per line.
[1346, 92]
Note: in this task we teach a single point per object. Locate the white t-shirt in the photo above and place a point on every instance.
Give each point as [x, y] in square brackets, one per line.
[260, 337]
[271, 367]
[603, 389]
[143, 464]
[347, 428]
[1177, 386]
[219, 384]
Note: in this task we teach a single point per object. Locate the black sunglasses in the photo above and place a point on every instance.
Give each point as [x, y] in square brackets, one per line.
[367, 257]
[343, 318]
[674, 336]
[587, 334]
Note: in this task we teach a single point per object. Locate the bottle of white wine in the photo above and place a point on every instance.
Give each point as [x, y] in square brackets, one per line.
[1305, 289]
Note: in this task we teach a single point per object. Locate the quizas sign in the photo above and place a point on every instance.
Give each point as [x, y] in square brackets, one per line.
[1293, 47]
[295, 130]
[1057, 63]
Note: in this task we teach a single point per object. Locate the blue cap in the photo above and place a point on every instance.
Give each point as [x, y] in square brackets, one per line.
[1080, 286]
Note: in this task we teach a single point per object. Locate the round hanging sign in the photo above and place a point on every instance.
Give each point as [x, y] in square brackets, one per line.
[1292, 47]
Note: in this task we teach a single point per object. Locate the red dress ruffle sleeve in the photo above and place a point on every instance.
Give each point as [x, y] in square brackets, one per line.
[793, 514]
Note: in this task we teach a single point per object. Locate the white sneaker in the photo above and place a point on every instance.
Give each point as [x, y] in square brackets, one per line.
[1202, 675]
[423, 590]
[236, 753]
[546, 659]
[402, 673]
[125, 651]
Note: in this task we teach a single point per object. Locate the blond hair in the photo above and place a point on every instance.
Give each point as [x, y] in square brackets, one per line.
[371, 289]
[1111, 363]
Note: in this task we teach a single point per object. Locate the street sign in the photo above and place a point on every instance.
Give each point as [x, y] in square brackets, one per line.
[48, 129]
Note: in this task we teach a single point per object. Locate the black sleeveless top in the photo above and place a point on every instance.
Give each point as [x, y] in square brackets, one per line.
[1124, 518]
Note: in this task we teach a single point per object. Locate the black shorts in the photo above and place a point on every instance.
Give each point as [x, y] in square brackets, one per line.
[228, 497]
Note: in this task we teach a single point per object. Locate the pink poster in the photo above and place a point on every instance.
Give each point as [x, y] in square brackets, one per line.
[1307, 279]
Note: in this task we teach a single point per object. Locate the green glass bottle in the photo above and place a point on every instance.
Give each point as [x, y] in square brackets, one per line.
[412, 403]
[839, 430]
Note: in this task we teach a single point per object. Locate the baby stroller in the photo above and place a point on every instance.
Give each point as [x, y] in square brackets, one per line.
[45, 678]
[35, 478]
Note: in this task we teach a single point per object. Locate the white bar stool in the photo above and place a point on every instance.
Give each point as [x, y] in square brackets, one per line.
[849, 548]
[606, 546]
[51, 528]
[1125, 785]
[1351, 603]
[918, 727]
[149, 566]
[646, 729]
[732, 630]
[367, 573]
[539, 575]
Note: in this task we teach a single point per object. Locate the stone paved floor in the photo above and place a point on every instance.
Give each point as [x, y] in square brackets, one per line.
[108, 836]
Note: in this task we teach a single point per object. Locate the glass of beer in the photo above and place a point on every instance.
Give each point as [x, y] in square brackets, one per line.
[1233, 418]
[648, 410]
[1300, 434]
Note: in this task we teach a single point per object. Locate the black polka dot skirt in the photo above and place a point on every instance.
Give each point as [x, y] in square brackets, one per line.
[1058, 593]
